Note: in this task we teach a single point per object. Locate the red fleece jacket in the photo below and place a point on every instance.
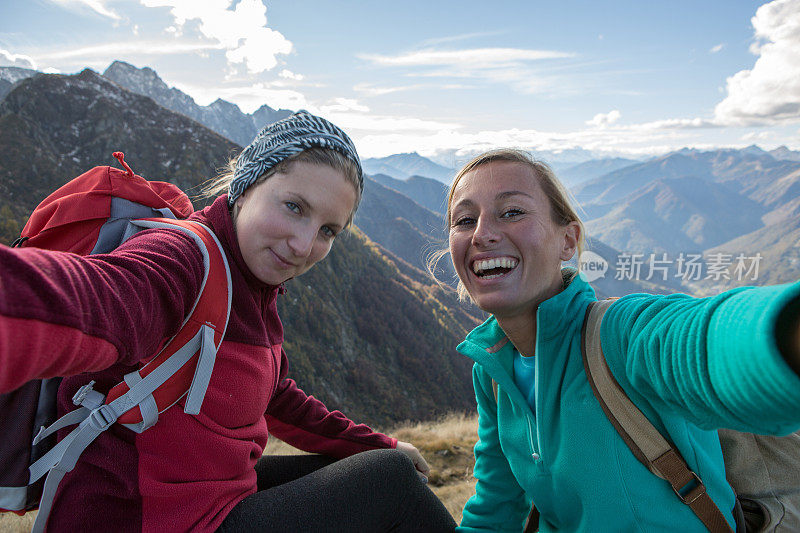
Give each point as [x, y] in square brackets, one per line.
[96, 317]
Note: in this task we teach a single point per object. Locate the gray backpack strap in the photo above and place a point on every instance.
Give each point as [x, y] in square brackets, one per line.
[63, 457]
[644, 440]
[94, 416]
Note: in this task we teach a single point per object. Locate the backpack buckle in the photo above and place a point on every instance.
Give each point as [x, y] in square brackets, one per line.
[690, 492]
[88, 397]
[102, 417]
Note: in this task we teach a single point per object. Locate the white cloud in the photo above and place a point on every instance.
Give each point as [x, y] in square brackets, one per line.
[510, 66]
[100, 56]
[650, 138]
[677, 124]
[370, 90]
[9, 59]
[98, 6]
[717, 48]
[343, 105]
[462, 37]
[248, 97]
[289, 75]
[769, 93]
[470, 58]
[242, 32]
[754, 136]
[605, 119]
[382, 123]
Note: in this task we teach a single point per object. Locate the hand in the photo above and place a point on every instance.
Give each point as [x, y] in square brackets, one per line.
[797, 346]
[788, 335]
[419, 462]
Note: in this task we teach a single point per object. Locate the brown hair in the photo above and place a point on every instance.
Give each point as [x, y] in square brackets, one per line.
[316, 156]
[561, 209]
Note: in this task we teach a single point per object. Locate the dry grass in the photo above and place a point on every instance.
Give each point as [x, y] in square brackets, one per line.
[11, 523]
[445, 443]
[447, 446]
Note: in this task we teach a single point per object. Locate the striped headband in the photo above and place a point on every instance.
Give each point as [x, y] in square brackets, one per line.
[283, 139]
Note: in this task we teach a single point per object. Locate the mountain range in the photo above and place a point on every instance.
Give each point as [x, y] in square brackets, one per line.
[427, 192]
[55, 127]
[402, 166]
[221, 116]
[743, 201]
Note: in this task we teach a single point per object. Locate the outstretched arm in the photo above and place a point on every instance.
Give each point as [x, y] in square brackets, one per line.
[726, 361]
[62, 314]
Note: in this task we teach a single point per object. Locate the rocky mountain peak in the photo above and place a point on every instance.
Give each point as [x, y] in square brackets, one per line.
[221, 116]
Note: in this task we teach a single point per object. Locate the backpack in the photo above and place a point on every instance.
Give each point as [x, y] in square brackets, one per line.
[761, 469]
[95, 213]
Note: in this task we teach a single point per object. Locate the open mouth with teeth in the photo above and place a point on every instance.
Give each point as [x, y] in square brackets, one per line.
[495, 267]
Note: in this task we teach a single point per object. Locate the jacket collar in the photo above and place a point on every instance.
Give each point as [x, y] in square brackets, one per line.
[485, 345]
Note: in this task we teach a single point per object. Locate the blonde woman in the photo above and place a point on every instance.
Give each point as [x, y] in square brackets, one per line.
[691, 365]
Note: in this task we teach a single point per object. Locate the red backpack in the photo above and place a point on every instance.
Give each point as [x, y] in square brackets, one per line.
[95, 213]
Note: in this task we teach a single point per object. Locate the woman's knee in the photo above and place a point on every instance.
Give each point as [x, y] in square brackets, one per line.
[390, 464]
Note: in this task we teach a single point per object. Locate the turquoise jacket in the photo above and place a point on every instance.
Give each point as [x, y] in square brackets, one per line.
[692, 365]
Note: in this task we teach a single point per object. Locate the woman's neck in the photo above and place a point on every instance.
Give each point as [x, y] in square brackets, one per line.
[521, 331]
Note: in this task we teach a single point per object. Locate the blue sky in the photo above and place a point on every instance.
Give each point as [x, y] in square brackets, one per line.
[437, 77]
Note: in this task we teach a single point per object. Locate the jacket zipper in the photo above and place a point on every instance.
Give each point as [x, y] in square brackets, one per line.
[536, 456]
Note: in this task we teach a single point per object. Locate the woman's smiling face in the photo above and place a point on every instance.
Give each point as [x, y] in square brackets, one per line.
[288, 222]
[505, 246]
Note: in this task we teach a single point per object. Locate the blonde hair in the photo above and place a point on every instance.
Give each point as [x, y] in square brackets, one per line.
[561, 208]
[315, 155]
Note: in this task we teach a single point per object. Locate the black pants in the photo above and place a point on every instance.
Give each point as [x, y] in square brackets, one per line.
[377, 491]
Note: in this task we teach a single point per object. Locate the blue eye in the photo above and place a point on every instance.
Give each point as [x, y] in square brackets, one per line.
[328, 232]
[511, 213]
[463, 221]
[293, 207]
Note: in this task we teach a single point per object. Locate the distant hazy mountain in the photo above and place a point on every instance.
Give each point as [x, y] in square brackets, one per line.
[617, 184]
[780, 195]
[401, 166]
[11, 75]
[221, 116]
[365, 332]
[743, 171]
[779, 247]
[427, 192]
[559, 160]
[594, 168]
[619, 280]
[400, 225]
[785, 154]
[677, 214]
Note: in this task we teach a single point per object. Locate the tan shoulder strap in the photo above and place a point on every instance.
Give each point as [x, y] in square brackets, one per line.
[644, 440]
